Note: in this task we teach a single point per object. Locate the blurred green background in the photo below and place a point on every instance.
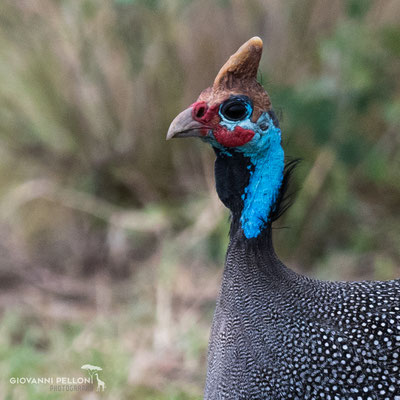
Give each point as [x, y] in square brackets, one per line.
[112, 241]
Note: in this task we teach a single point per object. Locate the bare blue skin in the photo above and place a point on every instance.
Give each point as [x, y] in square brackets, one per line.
[266, 156]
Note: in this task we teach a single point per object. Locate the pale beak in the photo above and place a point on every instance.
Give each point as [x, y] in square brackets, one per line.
[185, 126]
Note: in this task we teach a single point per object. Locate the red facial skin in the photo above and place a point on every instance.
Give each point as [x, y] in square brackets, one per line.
[238, 137]
[210, 118]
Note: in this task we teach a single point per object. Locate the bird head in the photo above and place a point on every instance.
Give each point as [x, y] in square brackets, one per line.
[235, 116]
[234, 111]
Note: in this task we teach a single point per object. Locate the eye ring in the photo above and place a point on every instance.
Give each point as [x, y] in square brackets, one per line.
[235, 109]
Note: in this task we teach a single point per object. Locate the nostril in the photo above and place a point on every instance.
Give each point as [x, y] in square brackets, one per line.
[199, 110]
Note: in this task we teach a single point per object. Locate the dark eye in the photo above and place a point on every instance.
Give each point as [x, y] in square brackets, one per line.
[235, 110]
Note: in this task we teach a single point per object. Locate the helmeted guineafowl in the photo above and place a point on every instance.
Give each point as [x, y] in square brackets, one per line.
[277, 334]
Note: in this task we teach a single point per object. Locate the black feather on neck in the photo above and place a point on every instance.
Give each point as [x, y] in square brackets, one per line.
[232, 175]
[285, 198]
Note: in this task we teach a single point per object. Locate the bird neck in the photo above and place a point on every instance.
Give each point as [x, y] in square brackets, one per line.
[252, 264]
[248, 183]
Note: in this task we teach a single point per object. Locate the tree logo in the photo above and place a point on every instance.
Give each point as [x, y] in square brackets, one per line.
[93, 370]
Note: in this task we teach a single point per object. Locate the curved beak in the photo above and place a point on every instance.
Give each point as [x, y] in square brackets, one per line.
[185, 126]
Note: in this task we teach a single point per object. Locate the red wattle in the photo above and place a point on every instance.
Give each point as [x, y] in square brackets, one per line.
[238, 137]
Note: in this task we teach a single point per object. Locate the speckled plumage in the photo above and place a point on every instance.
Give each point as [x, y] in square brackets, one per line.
[280, 335]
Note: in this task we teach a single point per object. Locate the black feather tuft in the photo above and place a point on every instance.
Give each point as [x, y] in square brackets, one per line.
[285, 198]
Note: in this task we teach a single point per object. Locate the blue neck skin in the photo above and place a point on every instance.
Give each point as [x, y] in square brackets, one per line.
[263, 189]
[266, 173]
